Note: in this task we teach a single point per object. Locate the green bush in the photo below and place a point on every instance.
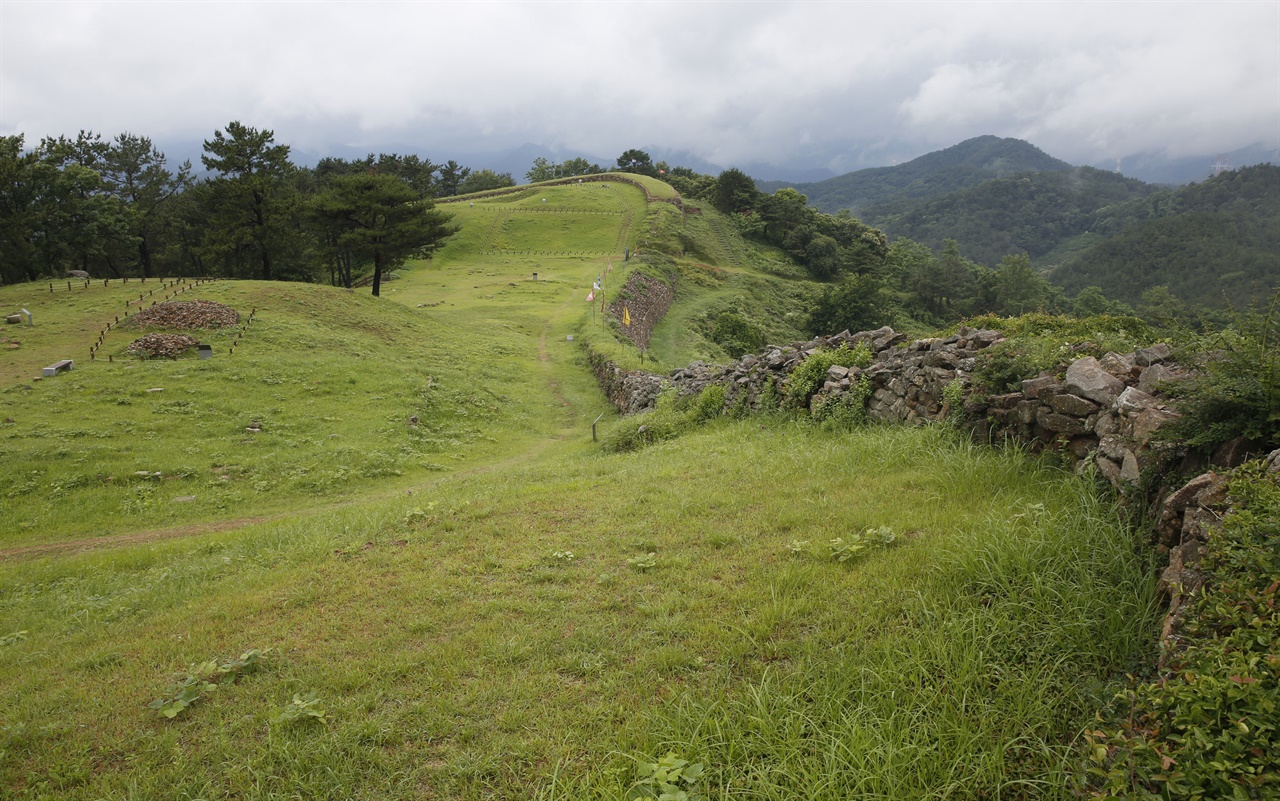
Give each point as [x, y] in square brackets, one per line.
[847, 411]
[709, 403]
[1211, 728]
[809, 377]
[670, 417]
[736, 335]
[1236, 390]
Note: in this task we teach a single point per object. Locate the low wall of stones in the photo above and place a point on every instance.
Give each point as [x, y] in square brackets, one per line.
[1100, 413]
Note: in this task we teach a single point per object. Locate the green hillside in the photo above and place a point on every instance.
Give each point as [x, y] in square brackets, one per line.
[952, 169]
[1032, 213]
[1212, 244]
[465, 597]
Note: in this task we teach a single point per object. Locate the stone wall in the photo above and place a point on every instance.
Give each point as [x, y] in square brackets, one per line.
[1104, 410]
[646, 299]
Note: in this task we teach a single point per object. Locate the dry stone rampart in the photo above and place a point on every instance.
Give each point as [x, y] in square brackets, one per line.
[1106, 410]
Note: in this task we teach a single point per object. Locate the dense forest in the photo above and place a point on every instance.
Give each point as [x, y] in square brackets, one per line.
[1031, 213]
[1214, 243]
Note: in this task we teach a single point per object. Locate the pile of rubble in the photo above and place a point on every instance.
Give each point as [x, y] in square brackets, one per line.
[162, 346]
[184, 314]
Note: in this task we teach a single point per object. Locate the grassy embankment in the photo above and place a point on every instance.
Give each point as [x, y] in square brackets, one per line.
[472, 601]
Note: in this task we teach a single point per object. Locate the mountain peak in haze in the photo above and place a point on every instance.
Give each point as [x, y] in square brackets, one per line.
[967, 164]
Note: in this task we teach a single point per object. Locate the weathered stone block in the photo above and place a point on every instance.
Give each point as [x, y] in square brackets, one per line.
[1149, 421]
[1155, 375]
[1026, 411]
[1109, 470]
[1106, 423]
[1072, 405]
[1232, 453]
[1033, 386]
[985, 338]
[1086, 378]
[1153, 355]
[1081, 446]
[1120, 365]
[1133, 400]
[1130, 471]
[1006, 401]
[1060, 423]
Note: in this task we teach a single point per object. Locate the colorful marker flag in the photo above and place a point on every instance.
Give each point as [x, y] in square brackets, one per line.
[626, 315]
[591, 296]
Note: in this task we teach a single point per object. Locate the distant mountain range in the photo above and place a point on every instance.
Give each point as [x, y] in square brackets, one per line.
[1212, 243]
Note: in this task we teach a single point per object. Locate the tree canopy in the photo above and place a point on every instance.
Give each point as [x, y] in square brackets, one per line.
[378, 217]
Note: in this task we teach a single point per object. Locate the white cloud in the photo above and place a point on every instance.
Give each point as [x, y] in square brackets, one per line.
[733, 82]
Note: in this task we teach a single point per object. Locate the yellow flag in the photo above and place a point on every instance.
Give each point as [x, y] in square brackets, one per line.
[626, 315]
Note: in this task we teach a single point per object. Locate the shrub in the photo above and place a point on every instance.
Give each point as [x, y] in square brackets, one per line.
[847, 411]
[809, 377]
[709, 403]
[1211, 728]
[1236, 391]
[736, 335]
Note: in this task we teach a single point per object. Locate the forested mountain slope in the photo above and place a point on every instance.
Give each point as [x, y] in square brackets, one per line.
[1211, 243]
[1032, 213]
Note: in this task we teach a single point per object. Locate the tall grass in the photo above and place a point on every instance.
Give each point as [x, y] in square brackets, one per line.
[458, 657]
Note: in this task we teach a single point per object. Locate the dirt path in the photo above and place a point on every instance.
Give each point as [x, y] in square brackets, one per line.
[132, 538]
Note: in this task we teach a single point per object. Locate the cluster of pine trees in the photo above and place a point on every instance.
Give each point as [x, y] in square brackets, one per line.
[117, 208]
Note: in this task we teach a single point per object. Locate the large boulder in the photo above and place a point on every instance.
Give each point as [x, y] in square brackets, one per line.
[1087, 379]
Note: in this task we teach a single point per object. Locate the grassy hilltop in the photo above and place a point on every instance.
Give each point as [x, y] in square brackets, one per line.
[465, 597]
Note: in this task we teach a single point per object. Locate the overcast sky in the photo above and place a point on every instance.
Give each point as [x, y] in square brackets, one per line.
[835, 85]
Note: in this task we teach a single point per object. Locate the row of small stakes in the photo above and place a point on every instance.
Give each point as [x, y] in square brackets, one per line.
[87, 282]
[183, 285]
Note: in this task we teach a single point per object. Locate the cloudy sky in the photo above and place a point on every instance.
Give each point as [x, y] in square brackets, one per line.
[836, 85]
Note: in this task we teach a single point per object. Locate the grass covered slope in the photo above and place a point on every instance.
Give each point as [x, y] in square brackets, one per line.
[507, 634]
[481, 603]
[332, 379]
